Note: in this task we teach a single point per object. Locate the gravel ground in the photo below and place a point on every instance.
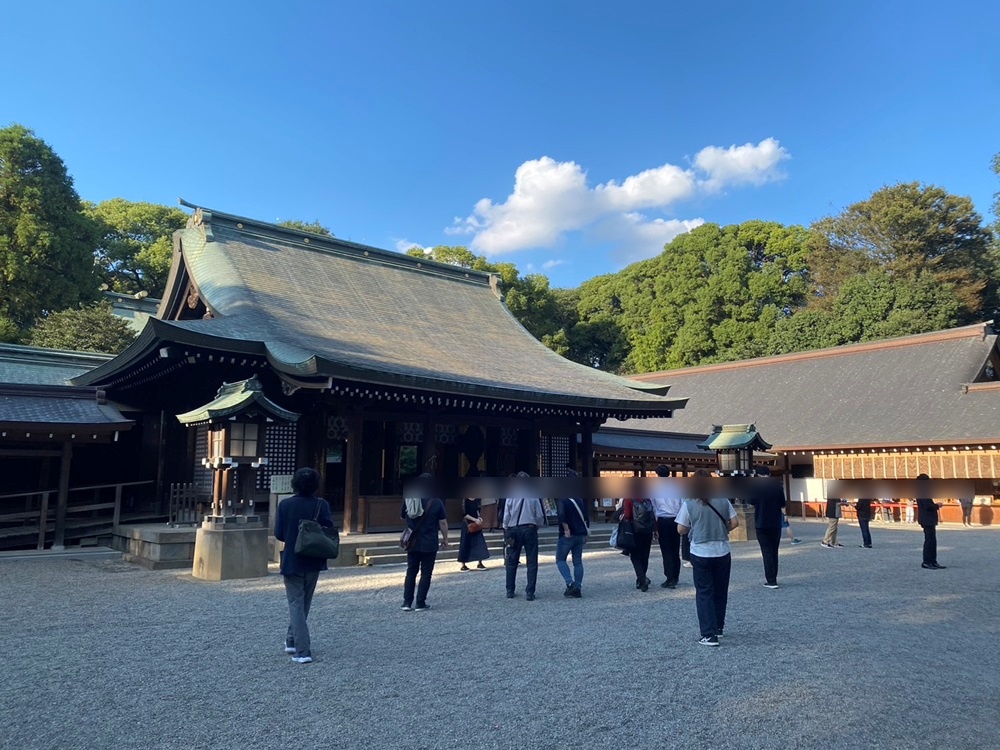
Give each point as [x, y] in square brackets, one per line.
[857, 649]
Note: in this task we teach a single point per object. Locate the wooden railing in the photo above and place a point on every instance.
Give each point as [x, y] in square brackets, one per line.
[47, 515]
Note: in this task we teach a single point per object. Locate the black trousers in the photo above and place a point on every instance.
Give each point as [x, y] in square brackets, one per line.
[640, 555]
[769, 539]
[711, 585]
[930, 545]
[526, 538]
[670, 548]
[424, 562]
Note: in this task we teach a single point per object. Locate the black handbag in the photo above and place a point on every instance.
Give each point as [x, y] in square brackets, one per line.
[626, 536]
[315, 540]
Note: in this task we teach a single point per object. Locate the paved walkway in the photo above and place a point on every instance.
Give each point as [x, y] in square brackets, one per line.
[857, 649]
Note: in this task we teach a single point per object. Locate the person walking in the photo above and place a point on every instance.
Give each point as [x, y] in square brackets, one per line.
[299, 572]
[472, 544]
[833, 520]
[788, 529]
[521, 518]
[708, 523]
[863, 508]
[768, 502]
[640, 512]
[573, 530]
[665, 509]
[425, 517]
[927, 517]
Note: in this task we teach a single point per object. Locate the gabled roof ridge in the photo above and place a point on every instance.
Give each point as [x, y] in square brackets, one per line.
[975, 330]
[45, 355]
[320, 243]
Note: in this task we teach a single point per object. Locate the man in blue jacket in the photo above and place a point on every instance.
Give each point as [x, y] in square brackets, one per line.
[300, 572]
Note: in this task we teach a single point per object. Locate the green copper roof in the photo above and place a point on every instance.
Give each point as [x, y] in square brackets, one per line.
[734, 437]
[245, 397]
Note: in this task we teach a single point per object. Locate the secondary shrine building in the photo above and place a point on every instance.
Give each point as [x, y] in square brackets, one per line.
[891, 409]
[395, 364]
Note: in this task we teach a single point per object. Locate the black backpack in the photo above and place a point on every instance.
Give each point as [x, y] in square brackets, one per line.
[643, 518]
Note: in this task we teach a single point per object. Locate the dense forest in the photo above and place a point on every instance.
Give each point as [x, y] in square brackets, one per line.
[907, 259]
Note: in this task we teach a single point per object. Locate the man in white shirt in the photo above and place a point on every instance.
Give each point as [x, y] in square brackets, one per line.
[666, 510]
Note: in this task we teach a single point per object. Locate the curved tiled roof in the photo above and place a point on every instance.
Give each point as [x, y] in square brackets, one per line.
[320, 307]
[913, 390]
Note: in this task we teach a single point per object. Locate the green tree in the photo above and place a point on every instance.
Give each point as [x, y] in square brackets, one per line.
[908, 230]
[136, 246]
[714, 294]
[46, 242]
[94, 328]
[306, 226]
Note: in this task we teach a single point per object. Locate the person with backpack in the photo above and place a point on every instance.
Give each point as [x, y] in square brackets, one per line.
[643, 518]
[708, 523]
[300, 572]
[425, 517]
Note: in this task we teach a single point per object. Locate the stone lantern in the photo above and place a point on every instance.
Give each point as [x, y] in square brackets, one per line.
[734, 445]
[230, 544]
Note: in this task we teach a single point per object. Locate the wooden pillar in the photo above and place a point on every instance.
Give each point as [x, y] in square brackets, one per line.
[59, 541]
[428, 450]
[43, 520]
[587, 450]
[352, 473]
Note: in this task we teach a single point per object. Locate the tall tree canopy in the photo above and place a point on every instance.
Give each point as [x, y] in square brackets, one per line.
[136, 244]
[917, 236]
[94, 328]
[46, 242]
[714, 294]
[306, 226]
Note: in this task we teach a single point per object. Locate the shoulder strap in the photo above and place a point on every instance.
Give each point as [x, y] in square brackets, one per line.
[716, 511]
[316, 514]
[579, 512]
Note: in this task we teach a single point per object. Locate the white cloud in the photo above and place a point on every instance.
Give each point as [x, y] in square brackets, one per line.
[403, 245]
[741, 165]
[549, 264]
[552, 198]
[636, 237]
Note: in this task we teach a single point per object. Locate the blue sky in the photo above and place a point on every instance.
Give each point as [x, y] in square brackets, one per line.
[566, 137]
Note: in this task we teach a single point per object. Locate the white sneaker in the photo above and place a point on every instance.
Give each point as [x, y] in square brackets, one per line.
[302, 659]
[709, 640]
[289, 649]
[685, 564]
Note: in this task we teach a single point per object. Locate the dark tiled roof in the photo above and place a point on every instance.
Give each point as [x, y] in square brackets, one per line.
[46, 407]
[648, 443]
[907, 391]
[323, 307]
[37, 366]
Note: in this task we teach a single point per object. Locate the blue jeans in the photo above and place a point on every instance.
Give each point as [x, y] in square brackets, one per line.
[565, 546]
[711, 583]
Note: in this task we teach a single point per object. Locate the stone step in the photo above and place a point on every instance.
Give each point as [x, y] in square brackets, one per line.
[389, 553]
